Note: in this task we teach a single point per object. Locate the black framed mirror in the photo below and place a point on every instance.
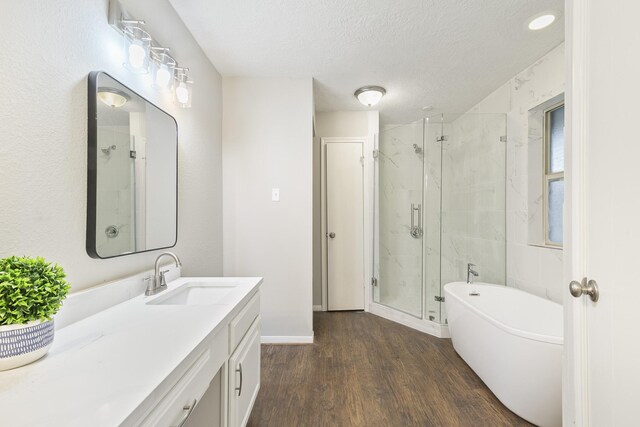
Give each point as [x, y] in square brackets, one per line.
[132, 191]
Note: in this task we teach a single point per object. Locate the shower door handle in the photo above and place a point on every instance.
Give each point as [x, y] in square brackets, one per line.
[412, 209]
[416, 231]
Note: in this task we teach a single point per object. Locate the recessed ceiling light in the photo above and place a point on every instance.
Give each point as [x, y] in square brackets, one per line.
[370, 95]
[542, 21]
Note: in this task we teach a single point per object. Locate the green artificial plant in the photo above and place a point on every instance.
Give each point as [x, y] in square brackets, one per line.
[30, 289]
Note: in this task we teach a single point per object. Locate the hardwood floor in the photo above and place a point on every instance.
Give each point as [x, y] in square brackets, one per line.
[367, 371]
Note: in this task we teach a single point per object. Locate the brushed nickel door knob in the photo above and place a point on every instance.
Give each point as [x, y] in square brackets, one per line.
[585, 287]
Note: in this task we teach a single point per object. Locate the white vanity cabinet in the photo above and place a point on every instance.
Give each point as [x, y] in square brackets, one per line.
[244, 377]
[177, 406]
[244, 363]
[157, 361]
[201, 397]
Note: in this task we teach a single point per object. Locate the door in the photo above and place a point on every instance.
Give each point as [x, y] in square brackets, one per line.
[244, 377]
[400, 191]
[602, 344]
[345, 226]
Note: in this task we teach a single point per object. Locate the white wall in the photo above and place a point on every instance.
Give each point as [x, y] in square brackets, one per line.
[267, 143]
[340, 124]
[535, 269]
[48, 48]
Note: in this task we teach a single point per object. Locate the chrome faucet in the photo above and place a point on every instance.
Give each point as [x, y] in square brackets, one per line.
[471, 273]
[158, 282]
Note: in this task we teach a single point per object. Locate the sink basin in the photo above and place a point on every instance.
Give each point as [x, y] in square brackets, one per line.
[195, 293]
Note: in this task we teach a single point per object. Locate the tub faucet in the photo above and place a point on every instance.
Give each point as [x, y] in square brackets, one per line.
[471, 273]
[158, 283]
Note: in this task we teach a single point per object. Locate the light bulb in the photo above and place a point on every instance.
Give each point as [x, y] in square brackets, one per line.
[541, 22]
[163, 76]
[182, 93]
[370, 98]
[137, 54]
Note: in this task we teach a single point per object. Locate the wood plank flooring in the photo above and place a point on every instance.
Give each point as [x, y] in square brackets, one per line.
[367, 371]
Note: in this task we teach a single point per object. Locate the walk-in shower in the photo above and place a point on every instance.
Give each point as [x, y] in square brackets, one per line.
[438, 211]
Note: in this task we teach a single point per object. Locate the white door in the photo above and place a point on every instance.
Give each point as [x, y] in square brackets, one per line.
[345, 226]
[602, 367]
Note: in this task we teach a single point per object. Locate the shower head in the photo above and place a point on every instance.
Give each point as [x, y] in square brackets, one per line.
[108, 150]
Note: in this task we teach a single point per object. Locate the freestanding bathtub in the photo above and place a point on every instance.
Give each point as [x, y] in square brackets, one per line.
[513, 341]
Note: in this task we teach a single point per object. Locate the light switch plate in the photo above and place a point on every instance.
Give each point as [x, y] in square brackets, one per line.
[275, 194]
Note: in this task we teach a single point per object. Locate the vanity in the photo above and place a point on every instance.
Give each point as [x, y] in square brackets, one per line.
[151, 349]
[188, 356]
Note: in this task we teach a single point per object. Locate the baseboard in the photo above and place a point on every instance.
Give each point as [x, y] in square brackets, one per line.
[317, 308]
[303, 339]
[427, 326]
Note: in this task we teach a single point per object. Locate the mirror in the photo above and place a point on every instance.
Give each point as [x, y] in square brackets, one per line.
[132, 197]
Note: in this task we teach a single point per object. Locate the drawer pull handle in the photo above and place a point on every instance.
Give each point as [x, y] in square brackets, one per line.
[186, 413]
[239, 369]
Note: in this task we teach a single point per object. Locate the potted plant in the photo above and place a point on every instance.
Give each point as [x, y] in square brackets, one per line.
[31, 292]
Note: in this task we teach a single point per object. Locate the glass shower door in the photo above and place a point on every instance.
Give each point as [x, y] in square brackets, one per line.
[473, 198]
[399, 177]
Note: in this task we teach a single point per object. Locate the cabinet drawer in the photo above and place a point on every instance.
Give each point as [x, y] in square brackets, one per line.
[188, 390]
[241, 323]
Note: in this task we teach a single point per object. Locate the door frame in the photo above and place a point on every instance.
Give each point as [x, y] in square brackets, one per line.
[575, 387]
[367, 179]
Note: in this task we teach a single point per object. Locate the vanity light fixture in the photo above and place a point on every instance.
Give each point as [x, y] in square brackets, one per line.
[112, 97]
[143, 53]
[183, 87]
[370, 95]
[541, 21]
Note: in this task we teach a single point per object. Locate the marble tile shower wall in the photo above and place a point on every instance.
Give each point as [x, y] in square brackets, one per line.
[535, 269]
[473, 198]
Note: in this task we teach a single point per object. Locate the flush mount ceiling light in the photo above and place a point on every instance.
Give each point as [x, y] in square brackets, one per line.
[541, 21]
[370, 95]
[112, 97]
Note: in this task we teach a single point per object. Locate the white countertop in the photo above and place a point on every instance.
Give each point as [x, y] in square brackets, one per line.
[100, 369]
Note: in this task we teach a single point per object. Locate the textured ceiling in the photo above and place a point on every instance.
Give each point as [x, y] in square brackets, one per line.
[445, 53]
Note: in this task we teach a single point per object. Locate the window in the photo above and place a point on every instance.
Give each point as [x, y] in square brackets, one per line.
[553, 174]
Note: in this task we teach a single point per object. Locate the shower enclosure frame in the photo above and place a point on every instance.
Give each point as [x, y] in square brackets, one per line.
[488, 129]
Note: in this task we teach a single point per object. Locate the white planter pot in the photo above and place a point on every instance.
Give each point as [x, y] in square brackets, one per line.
[23, 344]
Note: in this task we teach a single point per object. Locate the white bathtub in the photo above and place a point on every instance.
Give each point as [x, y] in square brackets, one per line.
[513, 341]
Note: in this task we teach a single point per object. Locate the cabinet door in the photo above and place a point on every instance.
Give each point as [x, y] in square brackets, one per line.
[208, 412]
[244, 377]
